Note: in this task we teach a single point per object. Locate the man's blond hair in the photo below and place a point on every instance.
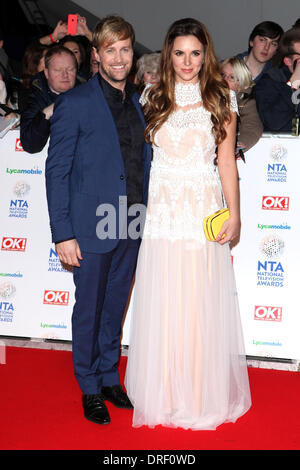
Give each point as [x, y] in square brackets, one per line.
[110, 30]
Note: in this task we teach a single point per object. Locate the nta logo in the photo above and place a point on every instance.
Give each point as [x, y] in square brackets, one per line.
[272, 246]
[278, 152]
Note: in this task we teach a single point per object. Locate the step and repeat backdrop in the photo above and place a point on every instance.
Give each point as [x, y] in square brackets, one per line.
[37, 292]
[267, 259]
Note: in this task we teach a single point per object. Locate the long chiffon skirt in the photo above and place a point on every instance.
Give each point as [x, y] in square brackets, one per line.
[186, 363]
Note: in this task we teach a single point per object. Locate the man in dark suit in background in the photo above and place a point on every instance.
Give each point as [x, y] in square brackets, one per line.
[277, 92]
[97, 159]
[58, 77]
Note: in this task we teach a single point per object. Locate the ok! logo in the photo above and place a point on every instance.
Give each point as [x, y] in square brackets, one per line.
[276, 203]
[267, 313]
[13, 244]
[56, 297]
[18, 147]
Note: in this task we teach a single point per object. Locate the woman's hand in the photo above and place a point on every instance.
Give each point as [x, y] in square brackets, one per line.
[231, 228]
[12, 116]
[82, 28]
[241, 145]
[60, 31]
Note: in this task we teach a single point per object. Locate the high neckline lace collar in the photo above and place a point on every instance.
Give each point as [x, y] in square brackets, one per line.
[187, 93]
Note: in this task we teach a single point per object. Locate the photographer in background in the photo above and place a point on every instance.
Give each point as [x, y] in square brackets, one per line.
[276, 92]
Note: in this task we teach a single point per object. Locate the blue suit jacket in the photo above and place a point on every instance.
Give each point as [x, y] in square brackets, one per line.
[85, 166]
[274, 100]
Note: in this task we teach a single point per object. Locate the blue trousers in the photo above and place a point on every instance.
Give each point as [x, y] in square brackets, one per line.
[102, 285]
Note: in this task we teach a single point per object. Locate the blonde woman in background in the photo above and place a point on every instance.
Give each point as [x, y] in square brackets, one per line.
[147, 70]
[239, 79]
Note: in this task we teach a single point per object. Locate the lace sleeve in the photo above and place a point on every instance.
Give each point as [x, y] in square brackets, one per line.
[233, 102]
[144, 95]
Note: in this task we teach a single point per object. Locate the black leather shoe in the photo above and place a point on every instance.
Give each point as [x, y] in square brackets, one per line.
[117, 396]
[95, 409]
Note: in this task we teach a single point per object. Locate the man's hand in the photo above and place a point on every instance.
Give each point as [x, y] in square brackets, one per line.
[69, 252]
[48, 111]
[295, 78]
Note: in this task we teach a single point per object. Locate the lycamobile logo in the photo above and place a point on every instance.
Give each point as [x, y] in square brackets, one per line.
[58, 325]
[32, 171]
[11, 274]
[273, 227]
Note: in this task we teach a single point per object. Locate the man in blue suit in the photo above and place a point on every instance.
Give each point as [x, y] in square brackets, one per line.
[98, 160]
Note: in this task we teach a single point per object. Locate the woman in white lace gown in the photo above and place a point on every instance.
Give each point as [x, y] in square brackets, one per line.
[186, 364]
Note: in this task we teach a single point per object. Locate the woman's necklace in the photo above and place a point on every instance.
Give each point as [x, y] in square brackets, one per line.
[187, 93]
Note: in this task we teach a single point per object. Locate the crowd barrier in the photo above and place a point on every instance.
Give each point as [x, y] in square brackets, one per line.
[37, 293]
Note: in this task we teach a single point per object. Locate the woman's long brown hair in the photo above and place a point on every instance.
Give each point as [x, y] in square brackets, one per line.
[214, 90]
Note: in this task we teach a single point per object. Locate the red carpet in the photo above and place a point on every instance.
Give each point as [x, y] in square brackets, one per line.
[40, 409]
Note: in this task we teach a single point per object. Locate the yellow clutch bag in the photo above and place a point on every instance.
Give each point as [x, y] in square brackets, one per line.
[213, 223]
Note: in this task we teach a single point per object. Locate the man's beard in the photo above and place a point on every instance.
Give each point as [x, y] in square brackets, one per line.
[111, 77]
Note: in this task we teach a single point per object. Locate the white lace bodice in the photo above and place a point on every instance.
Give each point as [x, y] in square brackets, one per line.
[186, 136]
[184, 183]
[187, 94]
